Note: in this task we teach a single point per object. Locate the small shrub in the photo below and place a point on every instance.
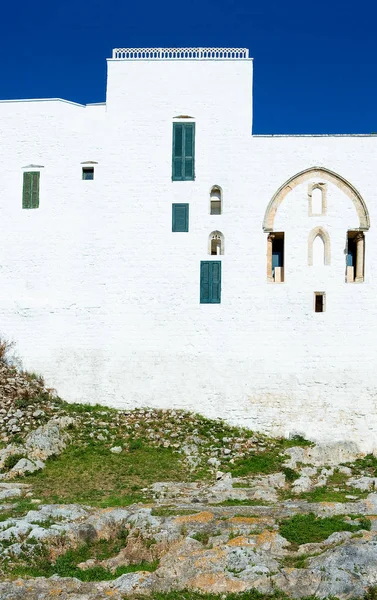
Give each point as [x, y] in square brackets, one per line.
[12, 460]
[290, 474]
[5, 347]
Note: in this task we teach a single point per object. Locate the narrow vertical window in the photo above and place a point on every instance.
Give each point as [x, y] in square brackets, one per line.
[275, 257]
[317, 196]
[88, 172]
[317, 205]
[355, 257]
[180, 217]
[319, 301]
[210, 282]
[216, 200]
[30, 190]
[216, 243]
[183, 152]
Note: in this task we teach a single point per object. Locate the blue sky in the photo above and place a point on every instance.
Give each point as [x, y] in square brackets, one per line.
[315, 63]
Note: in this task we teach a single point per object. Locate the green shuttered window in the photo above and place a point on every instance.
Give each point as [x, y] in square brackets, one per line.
[30, 190]
[210, 282]
[180, 217]
[183, 152]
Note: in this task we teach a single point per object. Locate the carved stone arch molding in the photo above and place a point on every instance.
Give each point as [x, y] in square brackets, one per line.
[322, 233]
[323, 174]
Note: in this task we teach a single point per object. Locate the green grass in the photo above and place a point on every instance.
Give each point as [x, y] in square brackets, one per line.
[305, 529]
[201, 536]
[12, 460]
[39, 564]
[328, 494]
[194, 595]
[18, 509]
[366, 465]
[298, 562]
[269, 461]
[91, 474]
[234, 502]
[171, 511]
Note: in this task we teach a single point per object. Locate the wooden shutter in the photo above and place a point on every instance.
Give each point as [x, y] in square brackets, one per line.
[210, 282]
[180, 217]
[177, 151]
[189, 147]
[216, 282]
[26, 190]
[30, 190]
[35, 190]
[183, 151]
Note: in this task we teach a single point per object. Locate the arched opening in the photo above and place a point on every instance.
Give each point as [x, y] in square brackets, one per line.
[216, 200]
[319, 250]
[317, 173]
[216, 243]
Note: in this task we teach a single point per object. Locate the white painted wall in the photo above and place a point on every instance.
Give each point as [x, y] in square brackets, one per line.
[103, 299]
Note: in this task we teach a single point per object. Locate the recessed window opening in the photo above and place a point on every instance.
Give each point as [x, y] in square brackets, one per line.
[276, 257]
[319, 301]
[355, 257]
[216, 201]
[88, 172]
[318, 251]
[317, 201]
[216, 243]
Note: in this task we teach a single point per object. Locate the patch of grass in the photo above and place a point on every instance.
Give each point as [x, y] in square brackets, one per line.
[263, 462]
[12, 460]
[305, 529]
[91, 474]
[66, 564]
[290, 474]
[18, 509]
[201, 536]
[366, 465]
[234, 502]
[327, 494]
[298, 562]
[196, 595]
[64, 567]
[268, 461]
[170, 511]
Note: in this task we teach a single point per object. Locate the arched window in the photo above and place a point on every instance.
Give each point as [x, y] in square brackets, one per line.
[216, 243]
[216, 200]
[319, 251]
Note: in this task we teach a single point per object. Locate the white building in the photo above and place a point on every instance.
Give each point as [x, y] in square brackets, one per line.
[106, 301]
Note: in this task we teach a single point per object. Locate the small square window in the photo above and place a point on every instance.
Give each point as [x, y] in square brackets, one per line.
[88, 172]
[319, 301]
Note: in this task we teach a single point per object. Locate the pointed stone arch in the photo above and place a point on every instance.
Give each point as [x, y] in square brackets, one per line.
[322, 233]
[324, 174]
[216, 243]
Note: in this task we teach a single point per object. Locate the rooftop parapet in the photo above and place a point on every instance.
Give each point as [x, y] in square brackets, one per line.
[180, 53]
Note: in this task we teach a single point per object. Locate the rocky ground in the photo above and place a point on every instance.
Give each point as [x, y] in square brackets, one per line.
[236, 513]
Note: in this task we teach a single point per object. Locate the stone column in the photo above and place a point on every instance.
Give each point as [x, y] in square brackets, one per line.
[269, 256]
[359, 257]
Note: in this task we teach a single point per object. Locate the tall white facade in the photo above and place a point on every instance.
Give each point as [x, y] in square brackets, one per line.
[103, 298]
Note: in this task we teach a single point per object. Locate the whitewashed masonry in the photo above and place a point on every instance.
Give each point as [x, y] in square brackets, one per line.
[103, 298]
